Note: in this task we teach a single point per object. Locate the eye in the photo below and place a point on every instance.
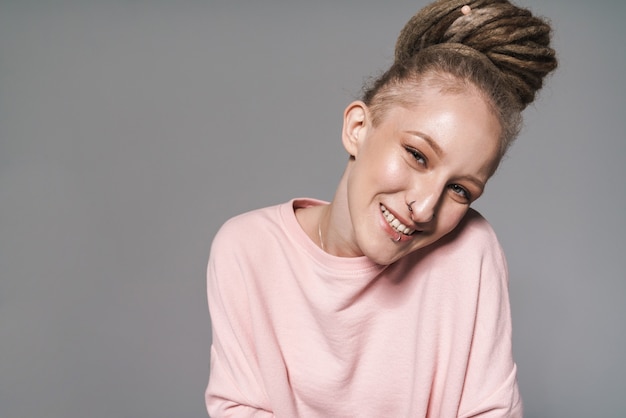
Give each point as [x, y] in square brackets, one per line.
[461, 191]
[418, 156]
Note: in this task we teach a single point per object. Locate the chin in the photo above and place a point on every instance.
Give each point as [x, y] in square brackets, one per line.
[384, 259]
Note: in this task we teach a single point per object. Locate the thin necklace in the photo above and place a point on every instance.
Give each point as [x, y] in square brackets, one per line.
[319, 234]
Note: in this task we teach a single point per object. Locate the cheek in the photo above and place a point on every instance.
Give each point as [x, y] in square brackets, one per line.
[381, 169]
[393, 170]
[449, 217]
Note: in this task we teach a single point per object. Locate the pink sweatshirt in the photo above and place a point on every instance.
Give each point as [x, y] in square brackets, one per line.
[301, 333]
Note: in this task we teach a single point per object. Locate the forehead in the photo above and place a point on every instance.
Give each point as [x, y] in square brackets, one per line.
[412, 91]
[461, 124]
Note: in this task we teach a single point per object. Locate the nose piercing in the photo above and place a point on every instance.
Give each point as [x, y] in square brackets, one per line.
[410, 206]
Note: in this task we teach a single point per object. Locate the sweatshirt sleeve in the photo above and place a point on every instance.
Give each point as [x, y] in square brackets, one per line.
[235, 386]
[490, 389]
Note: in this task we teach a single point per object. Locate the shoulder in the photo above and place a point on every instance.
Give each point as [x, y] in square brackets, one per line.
[474, 231]
[473, 235]
[264, 229]
[470, 246]
[247, 229]
[239, 248]
[252, 219]
[475, 247]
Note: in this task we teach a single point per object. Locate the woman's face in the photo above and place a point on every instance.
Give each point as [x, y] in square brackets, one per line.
[437, 155]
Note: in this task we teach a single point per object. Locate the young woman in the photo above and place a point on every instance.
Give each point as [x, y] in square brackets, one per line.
[391, 300]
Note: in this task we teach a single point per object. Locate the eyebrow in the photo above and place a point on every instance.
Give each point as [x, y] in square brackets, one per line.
[475, 181]
[429, 140]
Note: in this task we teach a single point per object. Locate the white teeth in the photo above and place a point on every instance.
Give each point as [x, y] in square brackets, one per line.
[394, 222]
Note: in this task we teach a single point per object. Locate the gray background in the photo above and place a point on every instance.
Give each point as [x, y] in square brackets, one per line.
[130, 130]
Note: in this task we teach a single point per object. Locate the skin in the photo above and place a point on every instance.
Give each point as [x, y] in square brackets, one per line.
[438, 153]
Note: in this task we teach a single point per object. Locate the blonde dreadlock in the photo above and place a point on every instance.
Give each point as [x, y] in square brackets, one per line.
[497, 47]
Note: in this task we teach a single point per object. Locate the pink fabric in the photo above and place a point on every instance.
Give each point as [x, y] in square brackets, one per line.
[300, 333]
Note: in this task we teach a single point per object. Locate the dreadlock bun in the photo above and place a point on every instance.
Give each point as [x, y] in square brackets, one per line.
[515, 41]
[491, 46]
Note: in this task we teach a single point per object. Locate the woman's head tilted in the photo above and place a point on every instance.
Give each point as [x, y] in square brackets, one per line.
[430, 132]
[492, 45]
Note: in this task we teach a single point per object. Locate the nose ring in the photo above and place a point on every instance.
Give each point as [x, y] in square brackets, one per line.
[410, 206]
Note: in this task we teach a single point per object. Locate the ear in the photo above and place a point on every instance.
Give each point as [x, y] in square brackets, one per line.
[355, 125]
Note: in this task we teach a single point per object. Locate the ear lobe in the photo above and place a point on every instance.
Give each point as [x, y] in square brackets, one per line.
[355, 120]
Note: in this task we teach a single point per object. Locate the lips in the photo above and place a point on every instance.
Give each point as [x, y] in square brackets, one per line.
[394, 223]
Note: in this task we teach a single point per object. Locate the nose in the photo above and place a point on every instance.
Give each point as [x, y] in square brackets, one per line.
[423, 205]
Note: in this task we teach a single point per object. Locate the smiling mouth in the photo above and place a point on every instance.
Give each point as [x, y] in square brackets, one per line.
[394, 223]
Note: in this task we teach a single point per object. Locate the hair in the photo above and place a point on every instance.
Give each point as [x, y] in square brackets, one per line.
[498, 49]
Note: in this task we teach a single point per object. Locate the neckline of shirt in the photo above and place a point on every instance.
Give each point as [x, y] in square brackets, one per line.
[344, 266]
